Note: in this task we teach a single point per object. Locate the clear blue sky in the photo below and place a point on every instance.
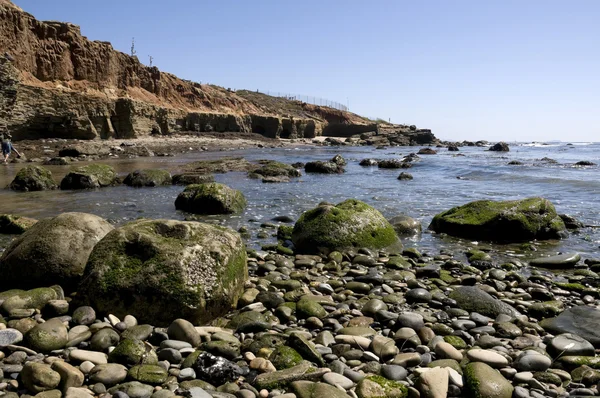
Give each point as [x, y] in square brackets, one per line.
[511, 69]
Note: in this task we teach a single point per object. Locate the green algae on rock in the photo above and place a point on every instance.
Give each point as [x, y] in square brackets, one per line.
[90, 176]
[52, 251]
[11, 224]
[159, 270]
[33, 178]
[482, 381]
[351, 224]
[210, 198]
[502, 221]
[380, 387]
[148, 178]
[272, 168]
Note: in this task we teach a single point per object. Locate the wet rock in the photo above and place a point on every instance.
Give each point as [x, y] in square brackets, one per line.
[38, 377]
[500, 147]
[473, 299]
[321, 167]
[405, 176]
[483, 381]
[569, 344]
[14, 225]
[426, 151]
[580, 320]
[210, 198]
[377, 386]
[148, 178]
[505, 221]
[192, 178]
[109, 374]
[48, 336]
[33, 178]
[560, 261]
[216, 370]
[333, 228]
[405, 225]
[148, 374]
[132, 352]
[89, 177]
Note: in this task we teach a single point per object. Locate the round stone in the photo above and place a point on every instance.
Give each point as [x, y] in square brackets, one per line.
[418, 295]
[336, 379]
[531, 360]
[10, 336]
[488, 357]
[567, 344]
[394, 372]
[447, 351]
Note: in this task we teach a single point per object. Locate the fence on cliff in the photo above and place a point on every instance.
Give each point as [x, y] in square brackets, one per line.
[308, 99]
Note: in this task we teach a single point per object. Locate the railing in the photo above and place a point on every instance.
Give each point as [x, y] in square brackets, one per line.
[307, 99]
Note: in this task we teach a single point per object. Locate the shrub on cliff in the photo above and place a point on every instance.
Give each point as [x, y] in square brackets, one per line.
[210, 198]
[503, 221]
[159, 270]
[33, 178]
[90, 176]
[351, 224]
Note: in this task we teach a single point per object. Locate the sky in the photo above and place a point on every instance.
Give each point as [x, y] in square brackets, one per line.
[508, 70]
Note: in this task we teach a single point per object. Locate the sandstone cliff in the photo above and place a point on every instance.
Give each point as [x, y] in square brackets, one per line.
[59, 84]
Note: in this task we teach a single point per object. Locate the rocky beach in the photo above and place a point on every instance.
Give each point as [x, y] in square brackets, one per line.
[167, 238]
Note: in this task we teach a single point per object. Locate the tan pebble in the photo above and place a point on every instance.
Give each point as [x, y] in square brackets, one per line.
[264, 352]
[2, 326]
[248, 356]
[263, 394]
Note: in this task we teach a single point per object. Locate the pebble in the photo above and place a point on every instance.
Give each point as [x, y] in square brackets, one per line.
[488, 357]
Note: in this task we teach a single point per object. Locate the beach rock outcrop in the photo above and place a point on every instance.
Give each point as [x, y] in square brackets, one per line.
[89, 177]
[33, 178]
[52, 251]
[500, 147]
[159, 270]
[351, 224]
[148, 178]
[503, 221]
[210, 198]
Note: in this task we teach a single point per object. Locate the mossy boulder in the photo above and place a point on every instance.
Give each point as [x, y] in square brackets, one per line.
[33, 178]
[148, 374]
[11, 224]
[321, 167]
[351, 224]
[133, 352]
[503, 221]
[52, 251]
[160, 270]
[148, 178]
[285, 357]
[380, 387]
[482, 381]
[48, 336]
[271, 168]
[90, 176]
[15, 299]
[192, 178]
[211, 198]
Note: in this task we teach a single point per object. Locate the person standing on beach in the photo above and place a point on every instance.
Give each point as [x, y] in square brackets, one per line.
[7, 148]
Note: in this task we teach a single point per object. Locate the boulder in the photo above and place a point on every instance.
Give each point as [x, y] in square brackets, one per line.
[52, 251]
[323, 167]
[15, 299]
[369, 162]
[453, 148]
[500, 147]
[426, 151]
[33, 178]
[393, 164]
[11, 224]
[350, 224]
[377, 386]
[48, 336]
[38, 377]
[192, 178]
[271, 168]
[405, 176]
[148, 178]
[582, 321]
[405, 225]
[473, 299]
[210, 198]
[90, 176]
[160, 270]
[503, 221]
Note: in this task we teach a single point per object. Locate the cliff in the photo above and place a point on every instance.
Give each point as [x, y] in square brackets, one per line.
[59, 84]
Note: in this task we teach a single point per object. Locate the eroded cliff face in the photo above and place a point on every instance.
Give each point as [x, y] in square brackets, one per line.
[62, 85]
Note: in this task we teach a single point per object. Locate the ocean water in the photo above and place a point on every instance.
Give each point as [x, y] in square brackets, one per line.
[440, 182]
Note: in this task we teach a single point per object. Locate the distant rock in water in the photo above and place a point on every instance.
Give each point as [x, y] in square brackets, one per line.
[210, 198]
[405, 225]
[369, 162]
[427, 151]
[89, 177]
[500, 147]
[323, 167]
[33, 178]
[11, 224]
[347, 225]
[405, 176]
[192, 178]
[339, 160]
[515, 163]
[585, 163]
[502, 221]
[148, 178]
[452, 148]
